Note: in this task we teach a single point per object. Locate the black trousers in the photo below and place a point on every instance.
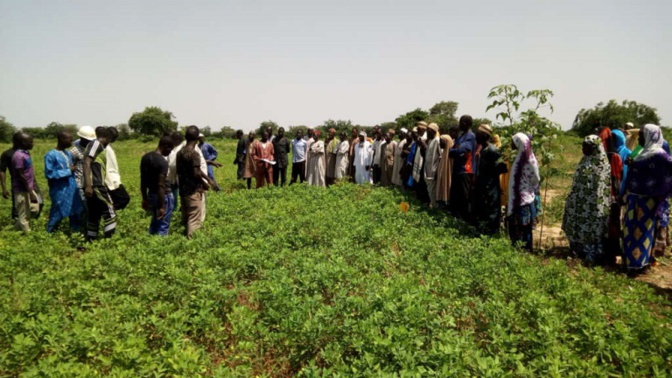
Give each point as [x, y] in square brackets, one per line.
[99, 205]
[280, 175]
[377, 174]
[298, 170]
[120, 197]
[460, 195]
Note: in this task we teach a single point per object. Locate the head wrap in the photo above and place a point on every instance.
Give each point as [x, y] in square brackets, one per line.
[332, 130]
[619, 145]
[629, 125]
[362, 133]
[497, 141]
[434, 127]
[421, 124]
[485, 129]
[316, 133]
[391, 132]
[653, 142]
[415, 129]
[403, 131]
[200, 135]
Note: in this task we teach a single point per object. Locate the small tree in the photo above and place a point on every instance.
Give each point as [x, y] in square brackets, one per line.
[153, 121]
[409, 119]
[124, 131]
[443, 114]
[7, 130]
[266, 124]
[613, 115]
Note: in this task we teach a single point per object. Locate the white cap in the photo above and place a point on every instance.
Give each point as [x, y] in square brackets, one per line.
[201, 135]
[86, 132]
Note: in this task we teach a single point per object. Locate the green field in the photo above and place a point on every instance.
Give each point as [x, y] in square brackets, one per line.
[313, 282]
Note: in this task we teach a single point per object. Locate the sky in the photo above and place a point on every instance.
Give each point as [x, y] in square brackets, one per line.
[301, 62]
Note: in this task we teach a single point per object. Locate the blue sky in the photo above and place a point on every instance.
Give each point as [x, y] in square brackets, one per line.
[238, 63]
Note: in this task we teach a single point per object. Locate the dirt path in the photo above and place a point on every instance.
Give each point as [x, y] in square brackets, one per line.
[554, 242]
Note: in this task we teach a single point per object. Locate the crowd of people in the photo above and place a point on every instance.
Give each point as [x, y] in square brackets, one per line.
[617, 206]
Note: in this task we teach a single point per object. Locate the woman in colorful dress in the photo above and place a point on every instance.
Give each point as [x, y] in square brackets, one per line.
[587, 205]
[648, 186]
[613, 242]
[521, 212]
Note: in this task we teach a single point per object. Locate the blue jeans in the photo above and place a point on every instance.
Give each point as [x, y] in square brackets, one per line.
[160, 227]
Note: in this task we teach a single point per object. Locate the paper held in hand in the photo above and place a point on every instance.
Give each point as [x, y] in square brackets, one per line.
[268, 161]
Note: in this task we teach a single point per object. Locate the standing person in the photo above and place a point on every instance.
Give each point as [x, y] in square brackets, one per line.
[6, 165]
[354, 139]
[398, 160]
[587, 205]
[487, 194]
[330, 154]
[86, 135]
[298, 158]
[262, 154]
[193, 182]
[177, 139]
[98, 201]
[445, 174]
[210, 155]
[387, 160]
[281, 148]
[419, 183]
[240, 155]
[362, 159]
[250, 167]
[613, 242]
[624, 153]
[157, 196]
[316, 165]
[521, 210]
[342, 157]
[309, 140]
[377, 155]
[648, 186]
[23, 185]
[432, 160]
[632, 140]
[463, 174]
[118, 193]
[59, 171]
[409, 151]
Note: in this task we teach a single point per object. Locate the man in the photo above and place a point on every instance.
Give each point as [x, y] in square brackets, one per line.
[398, 159]
[387, 159]
[193, 182]
[309, 141]
[98, 201]
[250, 166]
[155, 189]
[298, 158]
[342, 157]
[210, 155]
[462, 155]
[86, 135]
[331, 145]
[262, 155]
[5, 165]
[269, 130]
[59, 171]
[240, 155]
[23, 185]
[204, 169]
[281, 148]
[354, 139]
[420, 185]
[432, 159]
[362, 159]
[316, 162]
[487, 194]
[377, 154]
[177, 138]
[118, 193]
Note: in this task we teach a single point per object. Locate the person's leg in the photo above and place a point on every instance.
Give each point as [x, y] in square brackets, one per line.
[295, 173]
[269, 176]
[94, 214]
[431, 191]
[108, 214]
[164, 223]
[153, 205]
[276, 176]
[203, 207]
[249, 183]
[283, 175]
[259, 176]
[22, 204]
[302, 172]
[193, 207]
[15, 213]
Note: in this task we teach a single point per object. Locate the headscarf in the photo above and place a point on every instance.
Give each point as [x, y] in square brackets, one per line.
[434, 127]
[587, 205]
[404, 131]
[653, 142]
[605, 136]
[524, 175]
[485, 129]
[619, 144]
[443, 179]
[497, 141]
[362, 133]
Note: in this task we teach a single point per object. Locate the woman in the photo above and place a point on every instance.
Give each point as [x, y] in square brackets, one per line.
[622, 150]
[648, 186]
[487, 206]
[445, 171]
[250, 166]
[521, 211]
[613, 242]
[587, 205]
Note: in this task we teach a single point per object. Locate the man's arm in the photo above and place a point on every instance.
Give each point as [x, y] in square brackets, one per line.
[3, 177]
[162, 196]
[143, 187]
[24, 181]
[51, 170]
[88, 190]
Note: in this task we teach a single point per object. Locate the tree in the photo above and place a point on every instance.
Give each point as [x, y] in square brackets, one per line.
[409, 119]
[338, 125]
[206, 131]
[124, 131]
[443, 114]
[7, 130]
[226, 132]
[264, 125]
[153, 121]
[613, 115]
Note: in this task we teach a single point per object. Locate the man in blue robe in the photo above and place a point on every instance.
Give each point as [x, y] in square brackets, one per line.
[58, 168]
[210, 155]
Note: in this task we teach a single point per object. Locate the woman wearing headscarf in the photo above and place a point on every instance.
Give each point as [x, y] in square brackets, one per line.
[521, 211]
[445, 173]
[622, 150]
[613, 242]
[587, 205]
[648, 186]
[488, 167]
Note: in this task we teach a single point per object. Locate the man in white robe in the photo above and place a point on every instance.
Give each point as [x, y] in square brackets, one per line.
[316, 166]
[363, 158]
[342, 157]
[432, 159]
[398, 160]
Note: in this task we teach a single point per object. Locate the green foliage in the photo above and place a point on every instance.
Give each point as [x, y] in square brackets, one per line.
[312, 282]
[226, 132]
[153, 121]
[6, 130]
[124, 132]
[614, 115]
[409, 119]
[443, 114]
[266, 124]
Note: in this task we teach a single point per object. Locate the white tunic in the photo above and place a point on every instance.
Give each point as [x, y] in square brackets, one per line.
[363, 157]
[342, 159]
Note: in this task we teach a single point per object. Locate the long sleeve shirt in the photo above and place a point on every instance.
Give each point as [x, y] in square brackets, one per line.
[463, 152]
